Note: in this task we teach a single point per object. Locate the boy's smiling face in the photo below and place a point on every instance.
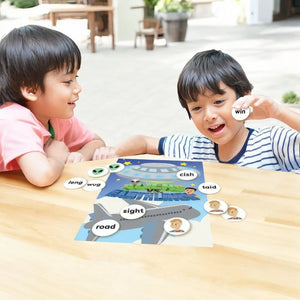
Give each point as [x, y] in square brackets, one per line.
[58, 100]
[211, 114]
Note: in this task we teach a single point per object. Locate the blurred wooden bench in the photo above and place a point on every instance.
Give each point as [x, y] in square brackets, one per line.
[100, 18]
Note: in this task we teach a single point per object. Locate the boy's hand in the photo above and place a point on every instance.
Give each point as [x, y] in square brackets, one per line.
[104, 153]
[57, 150]
[263, 107]
[75, 157]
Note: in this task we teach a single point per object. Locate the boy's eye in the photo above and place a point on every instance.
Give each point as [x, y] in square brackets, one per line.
[197, 108]
[219, 101]
[71, 80]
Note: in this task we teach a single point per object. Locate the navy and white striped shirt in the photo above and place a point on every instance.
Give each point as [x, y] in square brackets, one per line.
[275, 148]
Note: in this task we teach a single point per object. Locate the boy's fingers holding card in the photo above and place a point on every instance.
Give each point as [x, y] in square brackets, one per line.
[242, 113]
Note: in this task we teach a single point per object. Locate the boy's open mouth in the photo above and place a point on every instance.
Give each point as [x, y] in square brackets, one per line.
[216, 128]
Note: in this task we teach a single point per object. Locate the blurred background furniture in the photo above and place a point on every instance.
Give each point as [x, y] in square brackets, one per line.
[152, 30]
[102, 19]
[98, 12]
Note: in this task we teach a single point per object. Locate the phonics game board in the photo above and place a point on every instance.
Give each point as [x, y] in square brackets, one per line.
[150, 202]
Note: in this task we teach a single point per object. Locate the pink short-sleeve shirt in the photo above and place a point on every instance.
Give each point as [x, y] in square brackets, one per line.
[21, 133]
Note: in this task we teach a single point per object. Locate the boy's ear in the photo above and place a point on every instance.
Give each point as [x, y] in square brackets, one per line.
[29, 93]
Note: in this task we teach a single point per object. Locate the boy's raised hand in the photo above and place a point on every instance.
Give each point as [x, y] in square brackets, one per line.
[263, 107]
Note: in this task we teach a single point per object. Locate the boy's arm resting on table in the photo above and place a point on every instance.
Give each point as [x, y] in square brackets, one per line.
[87, 151]
[43, 170]
[138, 144]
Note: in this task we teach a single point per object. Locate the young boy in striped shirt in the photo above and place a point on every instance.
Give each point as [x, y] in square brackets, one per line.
[210, 86]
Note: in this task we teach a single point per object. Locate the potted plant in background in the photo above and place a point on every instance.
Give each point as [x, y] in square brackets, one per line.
[149, 10]
[175, 14]
[292, 100]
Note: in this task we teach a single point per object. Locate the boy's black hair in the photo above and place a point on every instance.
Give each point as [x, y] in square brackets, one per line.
[27, 54]
[205, 71]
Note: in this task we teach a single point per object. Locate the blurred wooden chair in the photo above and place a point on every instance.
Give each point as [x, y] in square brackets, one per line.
[103, 23]
[150, 26]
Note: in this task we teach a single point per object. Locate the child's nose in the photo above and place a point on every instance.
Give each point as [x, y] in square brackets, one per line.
[77, 89]
[210, 114]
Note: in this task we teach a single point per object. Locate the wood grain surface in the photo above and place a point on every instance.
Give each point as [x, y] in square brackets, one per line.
[258, 258]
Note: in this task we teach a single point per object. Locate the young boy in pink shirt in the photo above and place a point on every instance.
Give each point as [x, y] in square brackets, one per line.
[38, 93]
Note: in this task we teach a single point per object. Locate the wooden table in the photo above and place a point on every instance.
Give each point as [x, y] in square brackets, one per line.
[90, 11]
[258, 258]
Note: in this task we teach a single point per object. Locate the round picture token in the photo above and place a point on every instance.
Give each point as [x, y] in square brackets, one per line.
[234, 214]
[133, 211]
[115, 167]
[215, 206]
[177, 226]
[97, 172]
[75, 183]
[241, 114]
[105, 227]
[209, 188]
[94, 185]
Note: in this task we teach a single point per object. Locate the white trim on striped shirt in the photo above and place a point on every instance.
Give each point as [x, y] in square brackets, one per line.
[275, 148]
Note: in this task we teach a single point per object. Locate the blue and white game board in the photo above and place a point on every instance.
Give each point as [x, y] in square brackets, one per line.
[150, 202]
